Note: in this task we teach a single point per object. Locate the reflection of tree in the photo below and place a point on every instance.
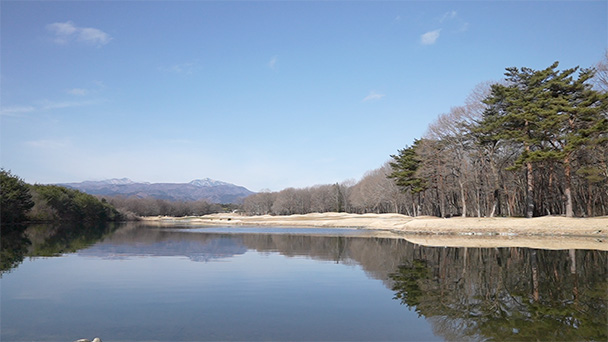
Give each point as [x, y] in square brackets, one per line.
[508, 293]
[67, 238]
[13, 249]
[48, 240]
[408, 280]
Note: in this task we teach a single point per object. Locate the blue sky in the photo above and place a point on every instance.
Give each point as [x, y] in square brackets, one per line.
[267, 95]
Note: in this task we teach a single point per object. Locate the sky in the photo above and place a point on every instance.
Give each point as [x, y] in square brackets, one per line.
[263, 94]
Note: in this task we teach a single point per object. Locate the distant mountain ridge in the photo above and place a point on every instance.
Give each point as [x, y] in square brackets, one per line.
[199, 189]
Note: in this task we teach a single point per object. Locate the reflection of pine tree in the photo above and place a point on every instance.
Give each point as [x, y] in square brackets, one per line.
[507, 293]
[407, 280]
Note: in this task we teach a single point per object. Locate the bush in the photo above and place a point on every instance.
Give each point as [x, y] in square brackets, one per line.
[57, 203]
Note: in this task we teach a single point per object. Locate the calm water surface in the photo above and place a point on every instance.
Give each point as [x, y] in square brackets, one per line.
[143, 283]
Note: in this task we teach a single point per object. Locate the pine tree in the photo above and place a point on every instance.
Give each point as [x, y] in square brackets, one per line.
[514, 111]
[405, 166]
[551, 115]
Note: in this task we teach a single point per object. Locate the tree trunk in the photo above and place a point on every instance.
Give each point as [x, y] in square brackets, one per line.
[568, 187]
[463, 198]
[496, 194]
[530, 191]
[589, 200]
[535, 283]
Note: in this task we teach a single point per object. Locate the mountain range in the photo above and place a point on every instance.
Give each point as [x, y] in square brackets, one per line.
[199, 189]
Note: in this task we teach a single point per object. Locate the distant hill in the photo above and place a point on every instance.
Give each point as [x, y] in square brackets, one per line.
[208, 189]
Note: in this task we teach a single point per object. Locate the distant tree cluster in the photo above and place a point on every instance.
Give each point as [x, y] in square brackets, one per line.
[374, 193]
[133, 207]
[533, 144]
[321, 198]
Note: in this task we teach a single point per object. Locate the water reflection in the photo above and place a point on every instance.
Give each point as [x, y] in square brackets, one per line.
[45, 240]
[507, 293]
[465, 293]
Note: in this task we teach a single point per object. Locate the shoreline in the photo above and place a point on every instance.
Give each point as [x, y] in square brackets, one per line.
[548, 232]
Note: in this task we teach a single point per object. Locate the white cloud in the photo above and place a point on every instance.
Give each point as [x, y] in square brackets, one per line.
[93, 36]
[273, 62]
[430, 37]
[66, 32]
[77, 91]
[448, 16]
[373, 96]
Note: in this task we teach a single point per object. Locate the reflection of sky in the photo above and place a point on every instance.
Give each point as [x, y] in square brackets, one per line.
[248, 296]
[195, 250]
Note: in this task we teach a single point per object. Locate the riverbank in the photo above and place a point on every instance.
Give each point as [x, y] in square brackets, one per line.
[541, 232]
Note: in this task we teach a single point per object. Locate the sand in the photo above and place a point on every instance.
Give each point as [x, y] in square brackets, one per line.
[549, 232]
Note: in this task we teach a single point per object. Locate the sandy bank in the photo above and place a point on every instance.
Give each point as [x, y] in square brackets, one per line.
[541, 232]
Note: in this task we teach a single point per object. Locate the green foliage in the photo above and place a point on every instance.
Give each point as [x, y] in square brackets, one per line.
[15, 198]
[57, 203]
[549, 112]
[405, 166]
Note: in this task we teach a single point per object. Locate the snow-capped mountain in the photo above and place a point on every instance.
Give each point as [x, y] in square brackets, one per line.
[207, 182]
[208, 189]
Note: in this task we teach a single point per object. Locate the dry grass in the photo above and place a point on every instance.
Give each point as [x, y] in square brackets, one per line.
[541, 232]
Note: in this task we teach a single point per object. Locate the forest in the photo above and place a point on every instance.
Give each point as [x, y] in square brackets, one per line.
[533, 144]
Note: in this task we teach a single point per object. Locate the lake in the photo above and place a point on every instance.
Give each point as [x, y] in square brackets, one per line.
[138, 283]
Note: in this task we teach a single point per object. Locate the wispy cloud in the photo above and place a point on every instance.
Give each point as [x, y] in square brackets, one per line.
[16, 110]
[45, 105]
[49, 105]
[48, 143]
[188, 68]
[448, 15]
[373, 96]
[272, 64]
[64, 33]
[430, 37]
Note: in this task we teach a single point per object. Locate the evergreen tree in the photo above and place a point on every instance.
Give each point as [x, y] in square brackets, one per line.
[575, 120]
[405, 166]
[515, 112]
[15, 198]
[551, 115]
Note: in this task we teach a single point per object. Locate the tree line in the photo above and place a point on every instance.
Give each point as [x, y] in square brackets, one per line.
[133, 207]
[535, 143]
